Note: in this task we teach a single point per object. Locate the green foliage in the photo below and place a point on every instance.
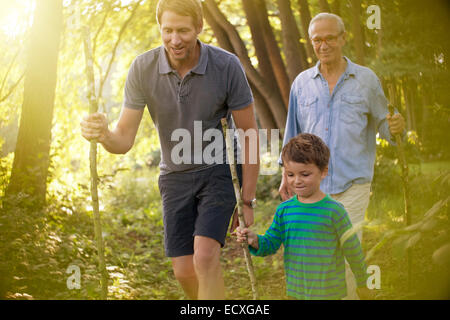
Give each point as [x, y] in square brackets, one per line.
[268, 186]
[427, 238]
[37, 246]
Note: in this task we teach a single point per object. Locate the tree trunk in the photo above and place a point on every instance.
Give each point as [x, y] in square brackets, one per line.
[336, 7]
[274, 52]
[272, 97]
[293, 49]
[264, 115]
[219, 32]
[324, 6]
[31, 159]
[305, 19]
[264, 65]
[358, 31]
[425, 93]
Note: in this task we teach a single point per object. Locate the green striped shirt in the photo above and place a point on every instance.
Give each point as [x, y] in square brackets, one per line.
[313, 256]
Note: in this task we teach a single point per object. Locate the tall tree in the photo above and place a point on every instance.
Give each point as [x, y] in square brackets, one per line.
[336, 7]
[324, 6]
[273, 50]
[272, 97]
[264, 114]
[294, 50]
[31, 158]
[305, 19]
[264, 65]
[358, 31]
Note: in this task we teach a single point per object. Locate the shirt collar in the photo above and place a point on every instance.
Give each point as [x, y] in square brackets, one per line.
[350, 70]
[316, 70]
[200, 68]
[164, 66]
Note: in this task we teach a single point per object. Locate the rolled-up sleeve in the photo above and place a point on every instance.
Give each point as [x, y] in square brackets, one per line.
[379, 110]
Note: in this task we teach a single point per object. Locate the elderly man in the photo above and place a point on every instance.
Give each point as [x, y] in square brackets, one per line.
[344, 104]
[184, 82]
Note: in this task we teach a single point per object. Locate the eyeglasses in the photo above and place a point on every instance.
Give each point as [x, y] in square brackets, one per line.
[330, 40]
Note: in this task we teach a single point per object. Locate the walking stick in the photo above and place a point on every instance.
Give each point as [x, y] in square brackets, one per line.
[93, 107]
[405, 181]
[239, 204]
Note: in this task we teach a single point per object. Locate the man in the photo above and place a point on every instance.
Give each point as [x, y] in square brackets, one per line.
[183, 82]
[344, 104]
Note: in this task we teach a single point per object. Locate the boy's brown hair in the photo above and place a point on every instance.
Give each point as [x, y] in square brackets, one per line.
[306, 148]
[190, 8]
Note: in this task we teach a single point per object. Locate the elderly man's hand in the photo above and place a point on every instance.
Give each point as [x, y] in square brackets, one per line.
[396, 123]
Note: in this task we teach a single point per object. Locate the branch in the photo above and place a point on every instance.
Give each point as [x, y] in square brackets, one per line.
[93, 165]
[99, 30]
[9, 70]
[239, 204]
[116, 45]
[273, 99]
[13, 87]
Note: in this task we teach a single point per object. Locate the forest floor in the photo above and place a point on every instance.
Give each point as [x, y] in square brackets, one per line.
[138, 268]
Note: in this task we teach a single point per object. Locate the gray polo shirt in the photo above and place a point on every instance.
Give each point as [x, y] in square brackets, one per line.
[194, 104]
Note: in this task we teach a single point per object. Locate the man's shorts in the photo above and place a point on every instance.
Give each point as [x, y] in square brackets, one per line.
[197, 203]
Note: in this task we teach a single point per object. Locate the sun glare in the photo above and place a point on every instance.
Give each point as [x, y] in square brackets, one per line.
[16, 17]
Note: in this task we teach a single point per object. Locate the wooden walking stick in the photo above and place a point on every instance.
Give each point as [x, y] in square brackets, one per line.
[405, 179]
[239, 204]
[93, 107]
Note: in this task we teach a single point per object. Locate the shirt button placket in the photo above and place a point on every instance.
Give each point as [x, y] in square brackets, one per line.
[179, 90]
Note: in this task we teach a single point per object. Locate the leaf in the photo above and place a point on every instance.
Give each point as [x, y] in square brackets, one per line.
[413, 240]
[376, 247]
[429, 225]
[399, 246]
[414, 227]
[442, 255]
[350, 232]
[436, 207]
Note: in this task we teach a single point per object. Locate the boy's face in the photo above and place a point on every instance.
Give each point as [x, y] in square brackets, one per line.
[304, 179]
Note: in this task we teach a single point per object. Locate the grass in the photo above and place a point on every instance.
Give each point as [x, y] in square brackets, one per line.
[138, 268]
[387, 204]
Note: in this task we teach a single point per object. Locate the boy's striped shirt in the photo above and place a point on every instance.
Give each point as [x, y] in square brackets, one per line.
[313, 256]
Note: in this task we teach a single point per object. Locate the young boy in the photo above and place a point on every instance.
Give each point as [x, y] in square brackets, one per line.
[310, 226]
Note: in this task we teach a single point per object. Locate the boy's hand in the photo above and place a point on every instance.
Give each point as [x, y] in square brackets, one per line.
[246, 235]
[248, 218]
[365, 293]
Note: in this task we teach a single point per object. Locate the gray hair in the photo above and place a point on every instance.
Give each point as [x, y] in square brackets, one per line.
[327, 16]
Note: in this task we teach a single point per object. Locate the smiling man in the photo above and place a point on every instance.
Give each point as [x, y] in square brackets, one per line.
[343, 103]
[182, 82]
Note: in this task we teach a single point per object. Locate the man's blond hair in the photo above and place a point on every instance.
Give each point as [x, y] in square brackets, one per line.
[190, 8]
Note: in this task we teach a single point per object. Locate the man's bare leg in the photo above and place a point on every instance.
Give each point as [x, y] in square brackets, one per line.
[183, 268]
[207, 267]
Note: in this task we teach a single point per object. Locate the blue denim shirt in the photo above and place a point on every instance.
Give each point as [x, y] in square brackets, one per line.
[347, 121]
